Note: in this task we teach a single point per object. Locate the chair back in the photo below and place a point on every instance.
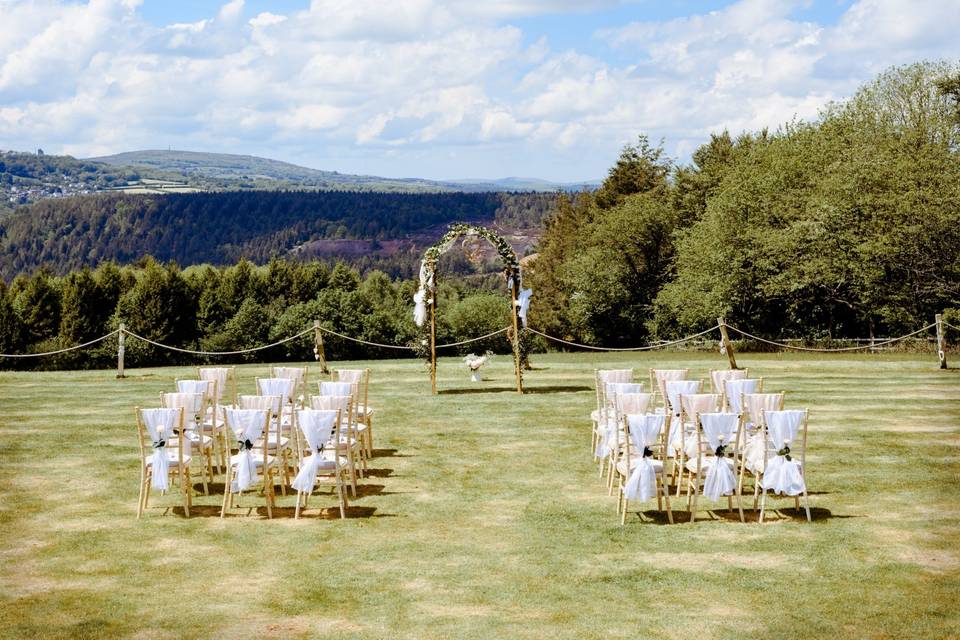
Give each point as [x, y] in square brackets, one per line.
[191, 403]
[734, 391]
[157, 427]
[785, 451]
[602, 377]
[754, 404]
[297, 374]
[224, 377]
[246, 427]
[343, 404]
[633, 403]
[659, 377]
[283, 387]
[673, 389]
[719, 376]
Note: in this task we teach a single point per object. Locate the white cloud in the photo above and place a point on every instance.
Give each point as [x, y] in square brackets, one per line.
[434, 88]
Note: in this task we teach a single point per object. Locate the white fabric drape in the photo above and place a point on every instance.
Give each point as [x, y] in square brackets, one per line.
[676, 388]
[336, 389]
[247, 425]
[719, 429]
[218, 374]
[317, 427]
[735, 390]
[783, 475]
[282, 387]
[644, 432]
[160, 424]
[420, 297]
[193, 386]
[720, 377]
[524, 303]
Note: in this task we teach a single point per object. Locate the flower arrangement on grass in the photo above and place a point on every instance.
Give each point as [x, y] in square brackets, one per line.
[475, 362]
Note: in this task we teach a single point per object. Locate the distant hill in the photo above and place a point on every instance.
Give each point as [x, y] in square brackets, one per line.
[254, 171]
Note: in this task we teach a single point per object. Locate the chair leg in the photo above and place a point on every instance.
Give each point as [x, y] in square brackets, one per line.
[341, 497]
[353, 476]
[227, 489]
[696, 493]
[623, 512]
[143, 475]
[763, 504]
[296, 514]
[187, 491]
[806, 504]
[666, 498]
[268, 479]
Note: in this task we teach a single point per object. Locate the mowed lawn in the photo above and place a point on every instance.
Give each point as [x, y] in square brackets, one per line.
[483, 517]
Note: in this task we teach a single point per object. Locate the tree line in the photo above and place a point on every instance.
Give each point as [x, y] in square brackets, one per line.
[847, 226]
[233, 308]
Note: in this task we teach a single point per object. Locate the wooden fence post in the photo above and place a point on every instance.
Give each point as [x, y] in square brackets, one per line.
[318, 348]
[433, 343]
[726, 344]
[121, 336]
[941, 342]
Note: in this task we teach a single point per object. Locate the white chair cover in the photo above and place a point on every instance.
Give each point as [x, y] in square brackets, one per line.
[160, 424]
[219, 374]
[282, 387]
[675, 388]
[350, 375]
[336, 388]
[644, 432]
[719, 429]
[783, 474]
[317, 427]
[248, 425]
[736, 388]
[720, 377]
[193, 386]
[615, 375]
[615, 388]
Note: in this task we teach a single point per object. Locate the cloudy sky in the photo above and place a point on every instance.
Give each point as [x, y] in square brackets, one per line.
[439, 89]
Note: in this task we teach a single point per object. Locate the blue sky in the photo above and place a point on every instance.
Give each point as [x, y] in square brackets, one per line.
[440, 89]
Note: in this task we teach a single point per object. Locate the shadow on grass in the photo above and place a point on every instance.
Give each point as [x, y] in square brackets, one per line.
[311, 512]
[528, 390]
[378, 473]
[751, 516]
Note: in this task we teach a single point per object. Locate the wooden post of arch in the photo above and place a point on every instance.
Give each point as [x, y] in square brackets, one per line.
[433, 331]
[515, 314]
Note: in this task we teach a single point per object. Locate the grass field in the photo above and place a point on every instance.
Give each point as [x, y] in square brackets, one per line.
[483, 518]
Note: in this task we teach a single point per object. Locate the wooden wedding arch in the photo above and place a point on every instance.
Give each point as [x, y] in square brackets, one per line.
[425, 312]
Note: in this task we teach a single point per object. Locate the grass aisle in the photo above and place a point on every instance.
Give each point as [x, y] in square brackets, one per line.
[483, 518]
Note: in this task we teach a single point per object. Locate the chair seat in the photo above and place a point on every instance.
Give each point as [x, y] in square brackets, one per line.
[194, 439]
[327, 462]
[364, 411]
[624, 471]
[283, 442]
[706, 463]
[257, 459]
[174, 460]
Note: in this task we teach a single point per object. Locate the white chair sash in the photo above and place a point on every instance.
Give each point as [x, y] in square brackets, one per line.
[282, 387]
[783, 474]
[336, 388]
[616, 388]
[614, 375]
[350, 375]
[160, 424]
[317, 427]
[676, 388]
[248, 425]
[644, 431]
[219, 375]
[735, 390]
[720, 430]
[193, 386]
[720, 377]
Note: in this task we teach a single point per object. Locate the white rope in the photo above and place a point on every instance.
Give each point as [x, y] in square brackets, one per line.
[867, 346]
[643, 348]
[372, 344]
[489, 335]
[217, 353]
[947, 324]
[53, 353]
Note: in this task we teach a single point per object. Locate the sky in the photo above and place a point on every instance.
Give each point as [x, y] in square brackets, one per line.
[440, 89]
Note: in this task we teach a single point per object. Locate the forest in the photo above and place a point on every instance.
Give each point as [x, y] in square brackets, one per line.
[223, 227]
[845, 226]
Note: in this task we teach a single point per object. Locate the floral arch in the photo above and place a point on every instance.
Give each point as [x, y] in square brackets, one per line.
[425, 300]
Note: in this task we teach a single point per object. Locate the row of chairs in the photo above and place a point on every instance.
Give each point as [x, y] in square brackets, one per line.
[272, 437]
[676, 438]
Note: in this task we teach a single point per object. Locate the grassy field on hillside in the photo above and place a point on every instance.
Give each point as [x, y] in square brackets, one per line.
[483, 518]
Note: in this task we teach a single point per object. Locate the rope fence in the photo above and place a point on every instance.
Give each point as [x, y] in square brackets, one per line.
[648, 347]
[872, 344]
[783, 345]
